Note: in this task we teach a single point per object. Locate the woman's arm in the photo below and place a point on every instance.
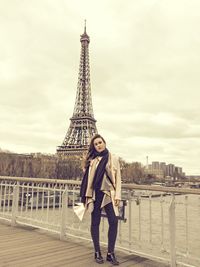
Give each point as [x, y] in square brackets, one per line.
[118, 181]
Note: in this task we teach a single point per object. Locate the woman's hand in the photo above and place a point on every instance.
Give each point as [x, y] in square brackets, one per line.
[116, 201]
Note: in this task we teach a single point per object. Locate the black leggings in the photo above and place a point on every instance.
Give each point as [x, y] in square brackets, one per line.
[96, 219]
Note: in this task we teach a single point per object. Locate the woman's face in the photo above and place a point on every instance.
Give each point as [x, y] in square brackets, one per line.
[99, 145]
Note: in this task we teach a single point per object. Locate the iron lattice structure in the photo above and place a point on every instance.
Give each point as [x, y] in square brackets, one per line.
[83, 125]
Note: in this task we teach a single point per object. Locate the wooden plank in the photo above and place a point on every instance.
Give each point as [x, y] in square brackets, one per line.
[31, 248]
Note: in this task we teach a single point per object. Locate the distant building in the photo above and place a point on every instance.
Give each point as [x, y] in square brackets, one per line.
[155, 165]
[178, 170]
[154, 169]
[162, 170]
[170, 169]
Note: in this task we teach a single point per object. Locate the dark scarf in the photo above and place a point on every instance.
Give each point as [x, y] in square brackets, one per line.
[98, 177]
[99, 173]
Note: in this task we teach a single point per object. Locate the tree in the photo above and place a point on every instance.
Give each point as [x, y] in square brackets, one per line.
[132, 172]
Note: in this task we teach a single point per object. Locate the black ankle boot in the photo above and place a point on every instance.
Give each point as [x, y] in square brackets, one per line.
[98, 257]
[111, 257]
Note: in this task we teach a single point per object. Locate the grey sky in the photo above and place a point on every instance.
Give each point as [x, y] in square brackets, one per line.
[144, 60]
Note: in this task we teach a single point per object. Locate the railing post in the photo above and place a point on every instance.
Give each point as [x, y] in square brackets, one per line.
[130, 219]
[64, 213]
[15, 202]
[186, 225]
[172, 232]
[150, 218]
[162, 224]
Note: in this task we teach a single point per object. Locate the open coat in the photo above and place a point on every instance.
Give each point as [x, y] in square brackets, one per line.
[110, 186]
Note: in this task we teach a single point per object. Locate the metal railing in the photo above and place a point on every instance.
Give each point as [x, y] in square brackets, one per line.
[161, 223]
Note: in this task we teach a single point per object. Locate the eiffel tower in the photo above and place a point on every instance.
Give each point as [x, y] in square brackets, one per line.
[83, 125]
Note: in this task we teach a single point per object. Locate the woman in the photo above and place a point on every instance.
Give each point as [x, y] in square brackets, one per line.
[101, 188]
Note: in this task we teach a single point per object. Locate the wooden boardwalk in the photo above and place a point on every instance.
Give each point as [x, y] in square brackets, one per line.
[25, 246]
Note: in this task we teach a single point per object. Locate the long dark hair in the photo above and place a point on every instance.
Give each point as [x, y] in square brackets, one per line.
[91, 150]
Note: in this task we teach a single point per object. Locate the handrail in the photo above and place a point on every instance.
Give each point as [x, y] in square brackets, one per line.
[162, 188]
[124, 186]
[39, 180]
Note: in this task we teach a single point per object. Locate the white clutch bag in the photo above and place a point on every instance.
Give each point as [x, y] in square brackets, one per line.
[79, 210]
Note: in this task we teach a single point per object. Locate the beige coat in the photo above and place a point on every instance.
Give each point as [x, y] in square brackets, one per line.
[111, 193]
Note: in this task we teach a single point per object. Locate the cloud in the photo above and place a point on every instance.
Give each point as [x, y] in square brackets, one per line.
[144, 60]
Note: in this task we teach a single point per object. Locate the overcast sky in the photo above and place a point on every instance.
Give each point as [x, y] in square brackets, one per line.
[144, 62]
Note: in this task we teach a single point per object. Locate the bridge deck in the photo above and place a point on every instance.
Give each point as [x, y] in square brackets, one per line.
[25, 246]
